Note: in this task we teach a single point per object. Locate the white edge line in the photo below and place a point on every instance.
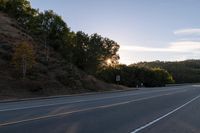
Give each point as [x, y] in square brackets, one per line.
[82, 110]
[162, 117]
[55, 104]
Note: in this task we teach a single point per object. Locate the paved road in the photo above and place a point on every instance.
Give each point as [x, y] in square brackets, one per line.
[159, 110]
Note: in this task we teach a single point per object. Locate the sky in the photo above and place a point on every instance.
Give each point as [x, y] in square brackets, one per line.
[146, 30]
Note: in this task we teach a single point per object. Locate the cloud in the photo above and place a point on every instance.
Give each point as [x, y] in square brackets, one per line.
[143, 49]
[179, 46]
[185, 46]
[140, 49]
[190, 31]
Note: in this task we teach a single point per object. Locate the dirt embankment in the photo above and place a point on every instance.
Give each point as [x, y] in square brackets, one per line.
[54, 77]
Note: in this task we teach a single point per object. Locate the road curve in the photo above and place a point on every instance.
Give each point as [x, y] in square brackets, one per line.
[167, 110]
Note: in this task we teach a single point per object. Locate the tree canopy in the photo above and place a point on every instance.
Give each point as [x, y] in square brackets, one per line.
[88, 52]
[183, 71]
[93, 54]
[133, 76]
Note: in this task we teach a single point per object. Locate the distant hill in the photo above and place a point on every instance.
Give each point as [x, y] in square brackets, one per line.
[187, 71]
[52, 78]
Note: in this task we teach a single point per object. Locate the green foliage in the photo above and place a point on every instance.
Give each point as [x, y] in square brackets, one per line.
[53, 29]
[87, 52]
[133, 76]
[183, 72]
[2, 5]
[158, 77]
[91, 53]
[24, 57]
[20, 9]
[81, 50]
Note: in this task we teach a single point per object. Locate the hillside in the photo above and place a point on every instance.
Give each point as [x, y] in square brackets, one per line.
[183, 72]
[54, 77]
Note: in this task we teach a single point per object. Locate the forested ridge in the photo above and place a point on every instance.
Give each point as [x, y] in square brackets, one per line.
[187, 71]
[41, 56]
[88, 52]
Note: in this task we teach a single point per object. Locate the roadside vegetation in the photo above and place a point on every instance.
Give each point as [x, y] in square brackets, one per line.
[40, 52]
[182, 71]
[87, 52]
[134, 76]
[23, 58]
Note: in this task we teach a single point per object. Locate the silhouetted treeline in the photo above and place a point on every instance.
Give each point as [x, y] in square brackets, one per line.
[88, 52]
[183, 72]
[93, 54]
[133, 76]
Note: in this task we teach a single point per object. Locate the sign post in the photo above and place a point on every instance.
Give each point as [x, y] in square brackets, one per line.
[118, 78]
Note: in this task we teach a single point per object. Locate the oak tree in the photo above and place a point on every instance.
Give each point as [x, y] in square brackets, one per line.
[24, 57]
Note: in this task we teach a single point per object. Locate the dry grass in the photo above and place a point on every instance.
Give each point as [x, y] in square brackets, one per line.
[54, 78]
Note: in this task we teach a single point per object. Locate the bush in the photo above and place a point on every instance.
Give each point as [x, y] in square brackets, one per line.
[135, 76]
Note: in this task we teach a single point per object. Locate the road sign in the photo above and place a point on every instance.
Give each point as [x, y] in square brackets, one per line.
[117, 78]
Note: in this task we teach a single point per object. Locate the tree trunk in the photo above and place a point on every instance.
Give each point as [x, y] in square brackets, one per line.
[46, 50]
[24, 67]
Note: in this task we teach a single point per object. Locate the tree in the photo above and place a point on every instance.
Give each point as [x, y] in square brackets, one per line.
[81, 50]
[24, 57]
[97, 50]
[89, 53]
[20, 9]
[110, 49]
[135, 76]
[3, 5]
[53, 31]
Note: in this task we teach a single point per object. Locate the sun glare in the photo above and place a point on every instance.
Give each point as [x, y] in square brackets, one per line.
[108, 61]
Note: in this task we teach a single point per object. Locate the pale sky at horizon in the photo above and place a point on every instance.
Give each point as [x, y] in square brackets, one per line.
[146, 30]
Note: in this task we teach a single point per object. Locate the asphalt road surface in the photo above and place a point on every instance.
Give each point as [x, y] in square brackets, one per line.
[156, 110]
